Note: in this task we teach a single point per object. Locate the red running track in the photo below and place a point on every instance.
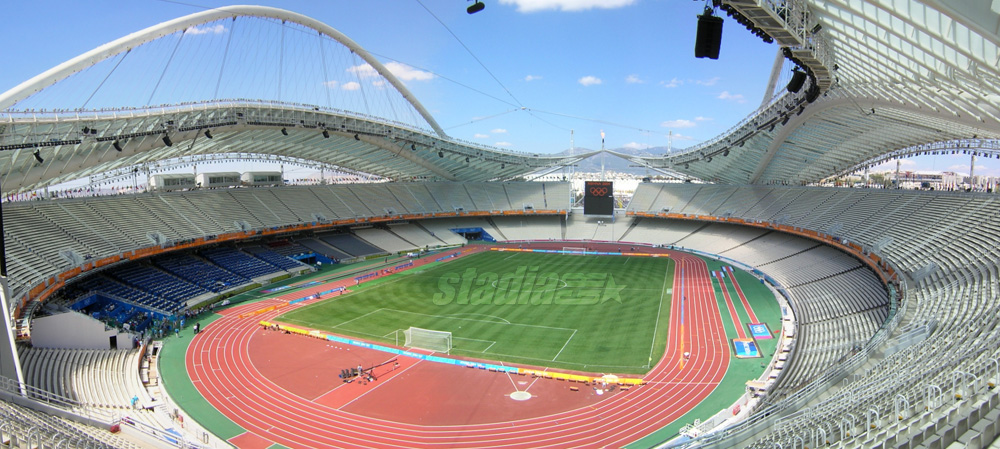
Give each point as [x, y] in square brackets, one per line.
[219, 364]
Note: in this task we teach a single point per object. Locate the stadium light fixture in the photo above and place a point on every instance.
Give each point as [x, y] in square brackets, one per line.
[117, 145]
[475, 7]
[440, 153]
[208, 133]
[167, 141]
[326, 134]
[38, 157]
[413, 147]
[284, 131]
[356, 137]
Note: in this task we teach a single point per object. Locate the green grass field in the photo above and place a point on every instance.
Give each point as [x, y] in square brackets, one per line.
[548, 310]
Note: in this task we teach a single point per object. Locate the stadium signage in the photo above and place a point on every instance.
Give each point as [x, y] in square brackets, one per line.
[526, 285]
[599, 198]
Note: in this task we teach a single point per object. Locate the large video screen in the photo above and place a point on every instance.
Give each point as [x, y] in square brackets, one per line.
[599, 198]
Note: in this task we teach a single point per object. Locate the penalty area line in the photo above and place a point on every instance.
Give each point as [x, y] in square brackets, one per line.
[358, 318]
[564, 345]
[459, 315]
[448, 317]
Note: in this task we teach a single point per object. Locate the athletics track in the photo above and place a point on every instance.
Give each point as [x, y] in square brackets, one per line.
[232, 364]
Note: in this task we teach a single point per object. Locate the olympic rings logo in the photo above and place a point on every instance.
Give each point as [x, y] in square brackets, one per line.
[598, 191]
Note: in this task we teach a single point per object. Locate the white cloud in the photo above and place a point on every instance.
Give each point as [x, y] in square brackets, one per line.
[402, 71]
[677, 136]
[503, 144]
[351, 85]
[590, 80]
[481, 136]
[499, 131]
[331, 84]
[677, 124]
[526, 6]
[378, 83]
[725, 95]
[702, 119]
[987, 172]
[217, 29]
[531, 78]
[672, 83]
[363, 70]
[961, 168]
[708, 82]
[635, 146]
[633, 79]
[907, 163]
[407, 73]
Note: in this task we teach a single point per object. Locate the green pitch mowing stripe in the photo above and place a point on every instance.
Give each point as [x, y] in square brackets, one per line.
[592, 313]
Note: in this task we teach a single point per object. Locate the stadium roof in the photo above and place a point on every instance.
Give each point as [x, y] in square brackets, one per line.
[889, 76]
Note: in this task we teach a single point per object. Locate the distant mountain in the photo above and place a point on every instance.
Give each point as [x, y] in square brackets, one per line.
[614, 163]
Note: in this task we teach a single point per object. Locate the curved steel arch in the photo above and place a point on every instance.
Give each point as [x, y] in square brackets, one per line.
[113, 48]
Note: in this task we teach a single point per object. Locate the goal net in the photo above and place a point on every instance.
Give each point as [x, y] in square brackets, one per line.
[431, 340]
[574, 251]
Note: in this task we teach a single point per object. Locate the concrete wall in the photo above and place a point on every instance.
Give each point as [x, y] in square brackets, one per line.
[72, 330]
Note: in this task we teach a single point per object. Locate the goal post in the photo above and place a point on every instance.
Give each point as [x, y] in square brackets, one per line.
[574, 251]
[431, 340]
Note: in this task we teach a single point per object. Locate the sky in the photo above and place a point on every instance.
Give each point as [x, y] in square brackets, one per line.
[519, 75]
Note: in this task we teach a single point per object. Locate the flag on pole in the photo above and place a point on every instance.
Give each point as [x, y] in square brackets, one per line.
[602, 137]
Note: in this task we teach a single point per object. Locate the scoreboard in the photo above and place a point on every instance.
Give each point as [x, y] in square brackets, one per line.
[599, 198]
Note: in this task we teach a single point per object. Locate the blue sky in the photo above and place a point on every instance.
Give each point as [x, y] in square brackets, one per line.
[606, 63]
[628, 63]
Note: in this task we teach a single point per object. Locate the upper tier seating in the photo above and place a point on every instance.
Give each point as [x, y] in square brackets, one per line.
[91, 228]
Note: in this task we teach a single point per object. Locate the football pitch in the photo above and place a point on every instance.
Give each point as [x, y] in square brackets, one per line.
[588, 313]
